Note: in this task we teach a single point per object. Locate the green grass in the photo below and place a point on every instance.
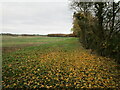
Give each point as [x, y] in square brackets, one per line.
[61, 62]
[10, 41]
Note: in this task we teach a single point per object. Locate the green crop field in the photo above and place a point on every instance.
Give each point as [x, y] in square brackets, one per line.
[54, 62]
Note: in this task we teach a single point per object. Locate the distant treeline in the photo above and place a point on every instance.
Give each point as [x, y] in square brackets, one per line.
[9, 34]
[49, 35]
[61, 35]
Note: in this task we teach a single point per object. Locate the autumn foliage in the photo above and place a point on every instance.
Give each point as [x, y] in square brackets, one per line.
[61, 35]
[62, 64]
[97, 24]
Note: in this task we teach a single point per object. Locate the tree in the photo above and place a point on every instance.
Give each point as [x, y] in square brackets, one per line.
[98, 26]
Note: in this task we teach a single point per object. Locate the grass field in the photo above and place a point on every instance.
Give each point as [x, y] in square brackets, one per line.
[54, 62]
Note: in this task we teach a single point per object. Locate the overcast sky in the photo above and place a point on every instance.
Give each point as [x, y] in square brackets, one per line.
[36, 17]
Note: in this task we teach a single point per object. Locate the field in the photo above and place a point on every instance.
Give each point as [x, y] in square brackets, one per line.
[54, 62]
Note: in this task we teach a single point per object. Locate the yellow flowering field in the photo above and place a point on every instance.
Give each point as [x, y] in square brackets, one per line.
[62, 64]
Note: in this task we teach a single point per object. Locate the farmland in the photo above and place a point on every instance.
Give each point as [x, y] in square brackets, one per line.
[54, 62]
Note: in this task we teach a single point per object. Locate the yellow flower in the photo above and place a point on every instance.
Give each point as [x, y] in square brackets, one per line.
[38, 69]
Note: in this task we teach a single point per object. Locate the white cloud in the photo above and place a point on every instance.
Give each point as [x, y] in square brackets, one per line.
[33, 0]
[41, 17]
